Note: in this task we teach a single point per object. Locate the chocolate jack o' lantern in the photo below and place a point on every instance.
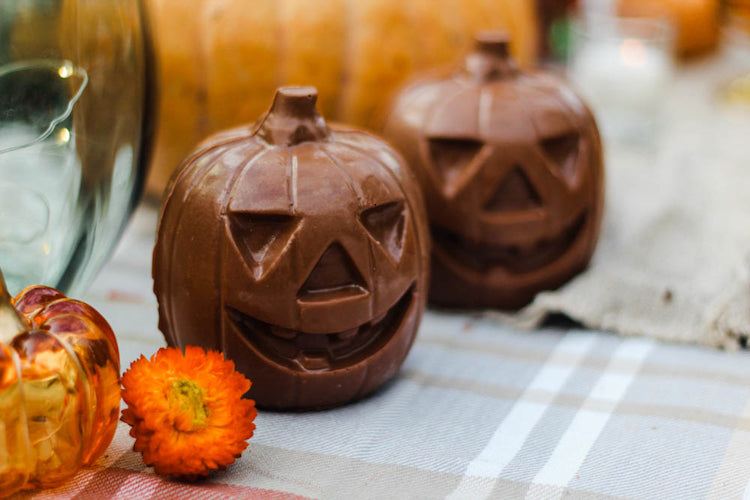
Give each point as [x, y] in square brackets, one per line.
[511, 166]
[298, 249]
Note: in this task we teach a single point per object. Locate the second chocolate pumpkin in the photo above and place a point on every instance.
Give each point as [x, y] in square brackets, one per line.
[512, 171]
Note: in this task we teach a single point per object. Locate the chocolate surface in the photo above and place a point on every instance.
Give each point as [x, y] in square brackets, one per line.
[510, 163]
[298, 249]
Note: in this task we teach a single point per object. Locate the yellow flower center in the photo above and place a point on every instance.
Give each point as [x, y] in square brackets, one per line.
[189, 397]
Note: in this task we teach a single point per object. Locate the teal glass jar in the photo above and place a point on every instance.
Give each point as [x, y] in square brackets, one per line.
[75, 105]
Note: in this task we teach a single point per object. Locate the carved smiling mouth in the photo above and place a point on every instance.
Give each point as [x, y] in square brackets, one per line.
[482, 257]
[323, 351]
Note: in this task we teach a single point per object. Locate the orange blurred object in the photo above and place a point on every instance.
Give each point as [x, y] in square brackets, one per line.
[696, 21]
[739, 13]
[221, 60]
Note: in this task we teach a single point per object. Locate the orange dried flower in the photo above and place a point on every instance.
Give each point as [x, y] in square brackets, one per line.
[186, 411]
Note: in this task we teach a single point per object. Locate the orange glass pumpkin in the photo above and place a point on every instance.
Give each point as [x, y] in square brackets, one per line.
[511, 166]
[300, 251]
[59, 387]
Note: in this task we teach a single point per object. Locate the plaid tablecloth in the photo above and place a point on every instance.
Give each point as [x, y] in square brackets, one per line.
[478, 411]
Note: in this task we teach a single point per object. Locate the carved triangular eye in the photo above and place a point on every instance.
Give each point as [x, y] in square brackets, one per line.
[261, 238]
[452, 157]
[386, 224]
[514, 194]
[562, 150]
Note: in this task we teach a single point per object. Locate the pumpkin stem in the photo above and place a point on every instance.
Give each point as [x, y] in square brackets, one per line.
[293, 118]
[11, 323]
[491, 59]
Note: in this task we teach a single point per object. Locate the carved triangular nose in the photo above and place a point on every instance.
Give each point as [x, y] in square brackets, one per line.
[514, 194]
[335, 271]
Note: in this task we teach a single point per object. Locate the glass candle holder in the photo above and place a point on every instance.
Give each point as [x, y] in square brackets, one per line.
[623, 68]
[75, 93]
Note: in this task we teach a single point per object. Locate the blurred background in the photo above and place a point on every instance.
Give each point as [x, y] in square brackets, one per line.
[358, 53]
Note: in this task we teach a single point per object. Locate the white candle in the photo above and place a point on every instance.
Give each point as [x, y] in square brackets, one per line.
[624, 79]
[627, 74]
